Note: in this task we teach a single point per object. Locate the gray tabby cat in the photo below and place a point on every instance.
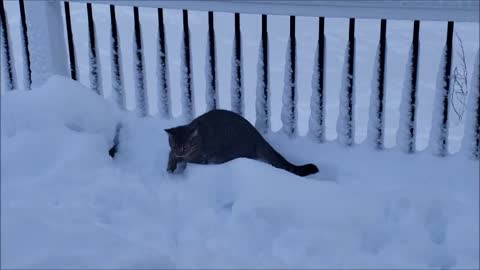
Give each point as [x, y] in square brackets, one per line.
[219, 136]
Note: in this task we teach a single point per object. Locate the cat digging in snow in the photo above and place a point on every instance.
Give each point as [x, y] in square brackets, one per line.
[219, 136]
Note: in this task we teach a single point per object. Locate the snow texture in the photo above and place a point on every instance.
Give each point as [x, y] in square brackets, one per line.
[118, 88]
[7, 66]
[471, 138]
[262, 101]
[48, 54]
[316, 122]
[140, 80]
[439, 132]
[289, 98]
[211, 94]
[66, 204]
[236, 85]
[95, 74]
[39, 51]
[345, 121]
[186, 82]
[405, 142]
[164, 105]
[376, 121]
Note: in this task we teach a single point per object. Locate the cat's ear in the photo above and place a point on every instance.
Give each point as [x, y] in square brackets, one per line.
[170, 131]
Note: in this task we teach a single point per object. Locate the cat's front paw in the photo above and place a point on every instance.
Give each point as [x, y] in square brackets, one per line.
[178, 168]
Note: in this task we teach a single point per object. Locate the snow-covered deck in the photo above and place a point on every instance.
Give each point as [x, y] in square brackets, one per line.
[66, 203]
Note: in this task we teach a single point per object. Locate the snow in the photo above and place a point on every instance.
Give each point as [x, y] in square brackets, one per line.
[471, 137]
[404, 140]
[438, 10]
[75, 206]
[262, 101]
[439, 132]
[65, 203]
[48, 53]
[376, 123]
[289, 111]
[316, 121]
[345, 120]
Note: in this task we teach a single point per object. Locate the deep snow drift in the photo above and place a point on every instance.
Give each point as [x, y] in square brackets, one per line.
[66, 204]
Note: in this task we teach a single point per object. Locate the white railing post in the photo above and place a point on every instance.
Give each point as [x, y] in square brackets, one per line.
[46, 40]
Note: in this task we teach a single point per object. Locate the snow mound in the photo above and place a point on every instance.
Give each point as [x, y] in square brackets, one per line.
[67, 204]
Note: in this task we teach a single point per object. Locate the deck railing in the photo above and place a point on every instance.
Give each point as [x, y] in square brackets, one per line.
[450, 12]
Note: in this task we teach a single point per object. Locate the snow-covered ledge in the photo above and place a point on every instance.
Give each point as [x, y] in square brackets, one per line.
[427, 10]
[46, 40]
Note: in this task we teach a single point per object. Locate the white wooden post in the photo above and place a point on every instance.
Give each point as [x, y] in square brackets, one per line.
[46, 40]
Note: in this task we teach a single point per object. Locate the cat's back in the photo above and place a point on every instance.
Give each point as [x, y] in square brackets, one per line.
[223, 124]
[222, 118]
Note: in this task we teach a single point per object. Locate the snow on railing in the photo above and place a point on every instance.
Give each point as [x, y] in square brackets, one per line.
[211, 95]
[117, 74]
[404, 10]
[8, 63]
[406, 130]
[316, 121]
[164, 106]
[262, 103]
[95, 73]
[236, 99]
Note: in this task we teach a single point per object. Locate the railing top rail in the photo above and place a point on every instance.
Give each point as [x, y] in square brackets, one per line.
[429, 10]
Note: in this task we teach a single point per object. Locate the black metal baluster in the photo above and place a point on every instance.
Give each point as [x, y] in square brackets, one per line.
[471, 139]
[141, 92]
[345, 126]
[71, 46]
[211, 95]
[163, 95]
[317, 115]
[289, 111]
[8, 61]
[443, 147]
[351, 63]
[237, 76]
[476, 129]
[262, 121]
[26, 51]
[379, 92]
[95, 71]
[412, 103]
[117, 75]
[188, 108]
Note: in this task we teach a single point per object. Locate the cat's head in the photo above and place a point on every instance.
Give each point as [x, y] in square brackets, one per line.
[183, 140]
